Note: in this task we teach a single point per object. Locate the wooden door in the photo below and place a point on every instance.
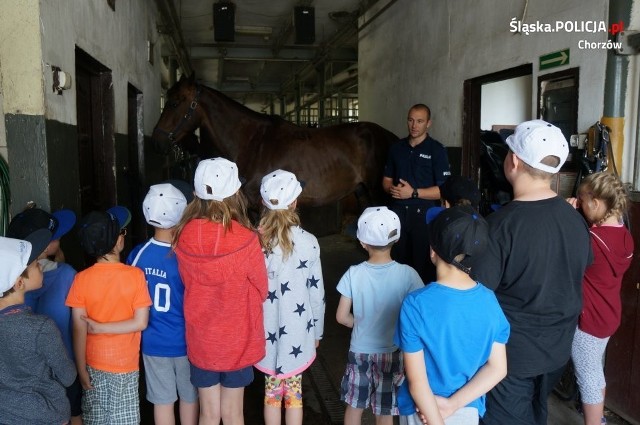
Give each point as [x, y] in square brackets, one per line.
[94, 103]
[622, 368]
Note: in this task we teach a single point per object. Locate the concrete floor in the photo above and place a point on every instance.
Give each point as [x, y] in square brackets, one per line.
[321, 383]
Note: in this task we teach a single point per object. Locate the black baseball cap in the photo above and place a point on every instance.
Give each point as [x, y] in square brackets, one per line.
[99, 230]
[458, 230]
[28, 221]
[456, 188]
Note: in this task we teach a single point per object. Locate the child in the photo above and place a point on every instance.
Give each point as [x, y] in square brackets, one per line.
[110, 307]
[34, 368]
[293, 311]
[459, 190]
[456, 190]
[375, 289]
[225, 280]
[603, 200]
[536, 255]
[58, 276]
[452, 332]
[164, 349]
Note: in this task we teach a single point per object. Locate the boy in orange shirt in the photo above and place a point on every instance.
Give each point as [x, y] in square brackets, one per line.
[110, 307]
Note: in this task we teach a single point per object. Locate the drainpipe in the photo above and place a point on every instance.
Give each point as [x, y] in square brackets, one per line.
[615, 84]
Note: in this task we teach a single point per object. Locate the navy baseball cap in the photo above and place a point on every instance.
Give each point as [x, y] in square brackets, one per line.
[99, 230]
[458, 230]
[26, 222]
[457, 188]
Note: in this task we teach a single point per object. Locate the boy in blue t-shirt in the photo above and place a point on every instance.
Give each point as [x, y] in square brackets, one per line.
[452, 332]
[164, 349]
[375, 290]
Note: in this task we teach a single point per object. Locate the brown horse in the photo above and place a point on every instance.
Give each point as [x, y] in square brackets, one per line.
[332, 161]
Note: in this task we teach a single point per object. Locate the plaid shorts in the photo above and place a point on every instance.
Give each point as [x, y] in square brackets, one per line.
[113, 399]
[289, 388]
[372, 379]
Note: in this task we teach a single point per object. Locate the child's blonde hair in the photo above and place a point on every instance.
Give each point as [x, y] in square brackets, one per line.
[275, 229]
[608, 188]
[233, 207]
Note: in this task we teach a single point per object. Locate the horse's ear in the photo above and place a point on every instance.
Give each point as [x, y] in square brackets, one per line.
[191, 78]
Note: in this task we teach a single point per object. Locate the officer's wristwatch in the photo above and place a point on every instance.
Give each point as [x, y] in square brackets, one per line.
[414, 194]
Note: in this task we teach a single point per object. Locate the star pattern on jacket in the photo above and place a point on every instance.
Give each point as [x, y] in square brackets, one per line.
[272, 296]
[288, 346]
[284, 287]
[300, 309]
[295, 351]
[312, 282]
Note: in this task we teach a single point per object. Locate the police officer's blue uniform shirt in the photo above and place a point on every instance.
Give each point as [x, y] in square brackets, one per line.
[424, 165]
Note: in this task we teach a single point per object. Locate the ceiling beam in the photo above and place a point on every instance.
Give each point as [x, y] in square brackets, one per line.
[285, 54]
[172, 30]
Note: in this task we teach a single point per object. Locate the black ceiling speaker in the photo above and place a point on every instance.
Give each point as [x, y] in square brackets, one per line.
[304, 21]
[224, 21]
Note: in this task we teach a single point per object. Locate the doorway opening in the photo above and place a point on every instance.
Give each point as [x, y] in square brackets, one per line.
[134, 170]
[95, 117]
[493, 105]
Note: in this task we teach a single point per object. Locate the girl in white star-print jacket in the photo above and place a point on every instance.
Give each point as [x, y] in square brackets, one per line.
[295, 304]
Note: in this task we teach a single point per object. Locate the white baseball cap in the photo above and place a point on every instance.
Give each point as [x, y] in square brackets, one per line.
[164, 204]
[280, 189]
[378, 226]
[534, 140]
[17, 254]
[216, 178]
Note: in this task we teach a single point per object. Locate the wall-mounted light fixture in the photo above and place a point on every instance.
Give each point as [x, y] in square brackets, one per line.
[61, 80]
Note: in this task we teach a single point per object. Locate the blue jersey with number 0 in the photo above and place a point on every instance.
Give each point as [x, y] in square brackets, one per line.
[164, 336]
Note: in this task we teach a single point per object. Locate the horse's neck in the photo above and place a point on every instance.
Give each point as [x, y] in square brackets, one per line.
[229, 125]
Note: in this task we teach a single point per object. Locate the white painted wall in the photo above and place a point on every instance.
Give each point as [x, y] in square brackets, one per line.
[506, 102]
[117, 39]
[20, 53]
[419, 51]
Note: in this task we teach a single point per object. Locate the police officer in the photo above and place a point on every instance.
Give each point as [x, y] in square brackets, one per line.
[416, 166]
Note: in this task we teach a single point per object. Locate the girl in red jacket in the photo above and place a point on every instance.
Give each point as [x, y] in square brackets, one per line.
[603, 199]
[222, 266]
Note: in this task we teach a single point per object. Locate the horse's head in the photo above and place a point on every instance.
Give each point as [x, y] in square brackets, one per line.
[180, 116]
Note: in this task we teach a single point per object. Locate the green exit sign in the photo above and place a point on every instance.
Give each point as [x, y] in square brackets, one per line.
[551, 60]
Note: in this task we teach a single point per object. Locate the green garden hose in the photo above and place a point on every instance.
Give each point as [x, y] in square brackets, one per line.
[5, 196]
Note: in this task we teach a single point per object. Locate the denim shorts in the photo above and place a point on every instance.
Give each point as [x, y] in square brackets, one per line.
[202, 378]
